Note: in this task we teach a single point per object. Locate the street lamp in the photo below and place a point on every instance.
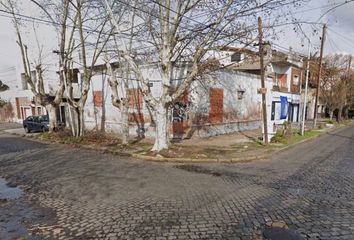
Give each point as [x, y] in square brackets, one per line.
[306, 88]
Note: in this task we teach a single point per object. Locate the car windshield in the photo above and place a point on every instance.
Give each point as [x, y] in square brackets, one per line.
[35, 119]
[44, 118]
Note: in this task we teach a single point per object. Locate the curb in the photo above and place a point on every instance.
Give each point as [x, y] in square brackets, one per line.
[162, 159]
[200, 160]
[177, 160]
[232, 160]
[314, 137]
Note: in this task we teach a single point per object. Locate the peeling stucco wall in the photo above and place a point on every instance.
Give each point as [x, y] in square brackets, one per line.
[241, 103]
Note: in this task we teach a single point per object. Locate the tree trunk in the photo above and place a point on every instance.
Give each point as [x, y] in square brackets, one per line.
[77, 127]
[161, 120]
[81, 121]
[346, 112]
[340, 111]
[52, 114]
[330, 114]
[103, 119]
[125, 124]
[71, 121]
[103, 113]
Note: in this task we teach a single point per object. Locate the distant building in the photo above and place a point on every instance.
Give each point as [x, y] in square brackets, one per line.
[19, 98]
[285, 71]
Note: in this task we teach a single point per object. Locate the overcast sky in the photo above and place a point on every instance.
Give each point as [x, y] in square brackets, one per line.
[340, 31]
[340, 34]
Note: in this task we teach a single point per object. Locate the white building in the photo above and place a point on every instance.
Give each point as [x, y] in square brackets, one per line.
[223, 101]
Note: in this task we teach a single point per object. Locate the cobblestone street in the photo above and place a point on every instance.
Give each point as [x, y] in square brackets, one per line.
[91, 195]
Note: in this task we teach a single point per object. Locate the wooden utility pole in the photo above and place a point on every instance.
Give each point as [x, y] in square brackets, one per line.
[263, 90]
[349, 66]
[319, 75]
[347, 84]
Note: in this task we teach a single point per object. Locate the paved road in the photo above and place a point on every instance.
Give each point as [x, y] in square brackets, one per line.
[9, 125]
[100, 196]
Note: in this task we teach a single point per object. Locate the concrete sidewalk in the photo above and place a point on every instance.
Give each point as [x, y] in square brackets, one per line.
[15, 129]
[225, 139]
[230, 148]
[10, 125]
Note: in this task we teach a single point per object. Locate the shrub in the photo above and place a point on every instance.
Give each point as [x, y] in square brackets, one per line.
[329, 121]
[279, 137]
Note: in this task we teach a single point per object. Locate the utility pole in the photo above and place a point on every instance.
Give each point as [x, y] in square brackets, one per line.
[306, 88]
[346, 82]
[349, 66]
[319, 75]
[263, 90]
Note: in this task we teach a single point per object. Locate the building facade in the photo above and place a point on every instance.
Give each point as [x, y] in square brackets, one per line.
[220, 102]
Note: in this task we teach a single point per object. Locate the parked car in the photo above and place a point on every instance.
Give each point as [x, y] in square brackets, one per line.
[36, 123]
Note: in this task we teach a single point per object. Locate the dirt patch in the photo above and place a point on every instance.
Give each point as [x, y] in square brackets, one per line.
[92, 137]
[222, 147]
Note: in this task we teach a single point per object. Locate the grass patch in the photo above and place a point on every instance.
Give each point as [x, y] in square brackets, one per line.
[347, 122]
[330, 121]
[279, 137]
[295, 137]
[240, 147]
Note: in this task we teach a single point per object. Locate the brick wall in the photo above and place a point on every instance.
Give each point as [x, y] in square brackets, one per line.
[295, 87]
[135, 98]
[18, 108]
[283, 82]
[136, 117]
[136, 106]
[22, 101]
[216, 112]
[97, 98]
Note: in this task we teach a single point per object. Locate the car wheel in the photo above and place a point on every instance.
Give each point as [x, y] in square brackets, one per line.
[43, 129]
[27, 130]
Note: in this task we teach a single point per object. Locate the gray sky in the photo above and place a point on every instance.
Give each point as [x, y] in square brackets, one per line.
[340, 32]
[340, 35]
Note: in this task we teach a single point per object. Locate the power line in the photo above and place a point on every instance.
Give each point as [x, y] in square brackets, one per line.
[332, 44]
[334, 7]
[343, 37]
[47, 22]
[187, 17]
[50, 23]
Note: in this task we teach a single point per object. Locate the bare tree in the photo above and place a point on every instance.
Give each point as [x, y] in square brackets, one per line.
[121, 99]
[36, 85]
[179, 35]
[88, 32]
[333, 83]
[348, 90]
[3, 86]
